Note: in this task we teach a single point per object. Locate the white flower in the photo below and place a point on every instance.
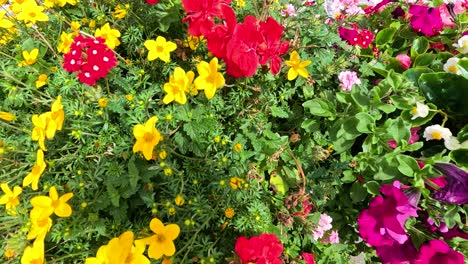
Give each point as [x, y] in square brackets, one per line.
[452, 143]
[451, 66]
[462, 45]
[420, 110]
[436, 132]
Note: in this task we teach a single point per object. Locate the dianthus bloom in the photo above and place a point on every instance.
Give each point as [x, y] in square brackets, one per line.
[384, 222]
[437, 251]
[348, 79]
[91, 58]
[265, 248]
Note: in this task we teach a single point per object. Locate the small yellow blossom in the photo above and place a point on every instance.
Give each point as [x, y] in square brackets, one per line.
[209, 78]
[237, 147]
[166, 261]
[39, 131]
[5, 23]
[31, 13]
[102, 102]
[7, 116]
[29, 57]
[240, 3]
[33, 177]
[40, 226]
[66, 39]
[34, 254]
[160, 48]
[297, 66]
[162, 155]
[10, 198]
[171, 211]
[75, 26]
[9, 253]
[179, 200]
[48, 205]
[229, 212]
[179, 84]
[161, 243]
[147, 137]
[92, 23]
[41, 81]
[236, 182]
[110, 35]
[120, 12]
[129, 97]
[168, 171]
[57, 116]
[193, 42]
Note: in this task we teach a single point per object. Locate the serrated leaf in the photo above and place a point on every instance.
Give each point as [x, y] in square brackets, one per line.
[113, 194]
[133, 174]
[279, 112]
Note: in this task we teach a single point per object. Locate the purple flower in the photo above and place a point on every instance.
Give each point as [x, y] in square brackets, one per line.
[384, 222]
[456, 189]
[426, 20]
[437, 251]
[397, 253]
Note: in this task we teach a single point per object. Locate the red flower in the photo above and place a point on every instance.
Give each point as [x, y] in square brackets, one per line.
[263, 249]
[308, 258]
[152, 2]
[355, 36]
[200, 15]
[271, 48]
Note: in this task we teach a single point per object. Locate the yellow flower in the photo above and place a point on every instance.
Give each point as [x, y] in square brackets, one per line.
[179, 200]
[44, 206]
[236, 182]
[101, 257]
[193, 42]
[147, 137]
[66, 39]
[7, 116]
[57, 116]
[30, 57]
[34, 254]
[92, 23]
[240, 3]
[166, 261]
[129, 97]
[75, 26]
[9, 253]
[4, 23]
[31, 13]
[229, 212]
[40, 129]
[102, 102]
[40, 226]
[162, 155]
[160, 49]
[110, 35]
[297, 66]
[161, 243]
[209, 78]
[179, 84]
[120, 12]
[238, 147]
[37, 170]
[41, 81]
[10, 198]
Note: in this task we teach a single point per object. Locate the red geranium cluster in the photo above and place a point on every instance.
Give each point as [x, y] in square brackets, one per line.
[355, 36]
[241, 45]
[262, 249]
[90, 57]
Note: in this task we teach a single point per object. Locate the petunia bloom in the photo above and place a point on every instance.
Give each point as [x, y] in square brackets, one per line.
[10, 198]
[33, 177]
[53, 204]
[160, 48]
[437, 251]
[397, 253]
[425, 19]
[455, 190]
[348, 79]
[265, 248]
[161, 243]
[147, 137]
[210, 79]
[297, 66]
[384, 222]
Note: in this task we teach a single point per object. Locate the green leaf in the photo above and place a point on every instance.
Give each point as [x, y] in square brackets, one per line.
[278, 184]
[366, 123]
[424, 59]
[279, 112]
[413, 74]
[320, 107]
[310, 125]
[372, 187]
[384, 36]
[133, 174]
[401, 103]
[348, 176]
[394, 79]
[407, 165]
[446, 90]
[463, 134]
[420, 46]
[398, 129]
[386, 108]
[113, 194]
[358, 193]
[460, 157]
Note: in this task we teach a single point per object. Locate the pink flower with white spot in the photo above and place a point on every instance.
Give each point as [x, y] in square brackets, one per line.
[348, 79]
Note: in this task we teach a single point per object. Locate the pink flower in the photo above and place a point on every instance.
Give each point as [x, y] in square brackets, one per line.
[426, 19]
[325, 222]
[289, 10]
[333, 238]
[404, 60]
[308, 258]
[437, 251]
[318, 233]
[397, 253]
[348, 79]
[152, 2]
[263, 249]
[413, 138]
[305, 211]
[384, 222]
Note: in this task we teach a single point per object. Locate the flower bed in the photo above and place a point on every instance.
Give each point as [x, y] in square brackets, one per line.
[219, 131]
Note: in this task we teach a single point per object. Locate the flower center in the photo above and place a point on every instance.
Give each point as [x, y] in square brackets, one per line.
[415, 110]
[32, 14]
[55, 203]
[452, 68]
[437, 135]
[36, 169]
[160, 238]
[148, 137]
[160, 49]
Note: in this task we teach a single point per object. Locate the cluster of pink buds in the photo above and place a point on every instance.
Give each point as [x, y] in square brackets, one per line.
[90, 57]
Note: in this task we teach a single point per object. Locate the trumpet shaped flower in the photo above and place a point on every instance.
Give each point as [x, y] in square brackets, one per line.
[10, 198]
[179, 84]
[147, 137]
[33, 177]
[210, 79]
[297, 66]
[160, 48]
[161, 243]
[44, 206]
[455, 190]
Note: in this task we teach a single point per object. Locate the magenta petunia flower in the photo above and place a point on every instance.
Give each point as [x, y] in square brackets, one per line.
[384, 222]
[262, 249]
[397, 253]
[437, 251]
[455, 190]
[426, 20]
